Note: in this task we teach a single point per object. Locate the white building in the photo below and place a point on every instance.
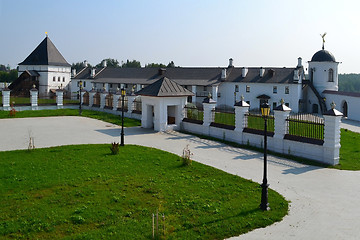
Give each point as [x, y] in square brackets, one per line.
[46, 68]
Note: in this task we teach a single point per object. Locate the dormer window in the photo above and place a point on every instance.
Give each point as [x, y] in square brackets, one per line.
[331, 75]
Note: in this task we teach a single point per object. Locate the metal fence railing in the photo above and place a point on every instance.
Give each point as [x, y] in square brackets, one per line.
[254, 122]
[194, 114]
[109, 101]
[125, 104]
[137, 105]
[223, 117]
[306, 126]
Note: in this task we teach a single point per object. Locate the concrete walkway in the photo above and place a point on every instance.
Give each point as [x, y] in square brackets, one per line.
[324, 202]
[350, 125]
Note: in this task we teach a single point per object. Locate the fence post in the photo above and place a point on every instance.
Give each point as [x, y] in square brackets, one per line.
[241, 108]
[116, 98]
[82, 92]
[6, 98]
[332, 135]
[34, 98]
[281, 113]
[59, 98]
[131, 99]
[209, 105]
[91, 97]
[102, 98]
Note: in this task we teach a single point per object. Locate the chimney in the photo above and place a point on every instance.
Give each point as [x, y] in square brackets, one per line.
[299, 62]
[92, 73]
[244, 71]
[231, 63]
[296, 75]
[262, 71]
[104, 63]
[85, 63]
[223, 74]
[73, 73]
[162, 71]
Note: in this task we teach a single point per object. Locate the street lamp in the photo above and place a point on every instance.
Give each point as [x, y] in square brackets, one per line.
[80, 88]
[123, 93]
[265, 110]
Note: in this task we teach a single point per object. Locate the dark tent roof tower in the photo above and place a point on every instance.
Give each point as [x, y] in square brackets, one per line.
[164, 87]
[46, 54]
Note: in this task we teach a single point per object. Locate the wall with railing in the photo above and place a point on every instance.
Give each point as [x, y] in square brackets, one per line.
[304, 135]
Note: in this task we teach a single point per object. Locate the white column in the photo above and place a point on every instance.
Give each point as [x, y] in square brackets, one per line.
[214, 92]
[116, 98]
[241, 108]
[91, 97]
[102, 99]
[280, 123]
[6, 98]
[193, 98]
[138, 87]
[131, 99]
[208, 116]
[59, 98]
[34, 98]
[332, 136]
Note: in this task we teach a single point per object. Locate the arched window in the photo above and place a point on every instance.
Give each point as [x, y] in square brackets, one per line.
[331, 75]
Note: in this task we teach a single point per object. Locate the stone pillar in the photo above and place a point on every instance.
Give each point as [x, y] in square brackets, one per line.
[332, 136]
[91, 97]
[6, 98]
[131, 99]
[193, 98]
[241, 108]
[214, 93]
[209, 105]
[116, 98]
[281, 113]
[34, 98]
[59, 98]
[103, 95]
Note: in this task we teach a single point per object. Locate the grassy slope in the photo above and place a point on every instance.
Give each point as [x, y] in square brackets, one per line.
[83, 192]
[107, 117]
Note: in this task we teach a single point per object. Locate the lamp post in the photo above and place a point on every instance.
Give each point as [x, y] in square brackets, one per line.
[123, 93]
[80, 88]
[265, 110]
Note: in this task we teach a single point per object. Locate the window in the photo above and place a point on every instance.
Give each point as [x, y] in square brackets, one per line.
[205, 88]
[110, 85]
[274, 105]
[331, 75]
[63, 79]
[275, 89]
[287, 90]
[287, 104]
[84, 84]
[54, 79]
[236, 88]
[247, 88]
[126, 85]
[59, 79]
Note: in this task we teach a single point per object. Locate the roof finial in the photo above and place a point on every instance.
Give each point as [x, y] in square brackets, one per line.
[323, 38]
[282, 101]
[333, 105]
[242, 97]
[46, 33]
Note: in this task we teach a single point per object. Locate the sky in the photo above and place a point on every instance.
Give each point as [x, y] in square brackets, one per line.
[202, 33]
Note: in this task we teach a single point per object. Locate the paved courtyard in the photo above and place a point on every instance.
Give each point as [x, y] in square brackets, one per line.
[324, 202]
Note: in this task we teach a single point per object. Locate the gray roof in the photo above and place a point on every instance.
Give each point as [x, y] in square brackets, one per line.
[351, 94]
[164, 87]
[46, 54]
[271, 75]
[189, 76]
[323, 56]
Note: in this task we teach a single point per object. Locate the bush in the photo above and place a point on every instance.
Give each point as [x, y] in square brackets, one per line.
[186, 157]
[114, 148]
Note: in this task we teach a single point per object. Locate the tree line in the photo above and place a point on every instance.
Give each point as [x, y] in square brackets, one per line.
[7, 74]
[349, 82]
[110, 62]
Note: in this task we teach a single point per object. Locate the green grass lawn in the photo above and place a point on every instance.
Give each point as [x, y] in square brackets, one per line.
[84, 192]
[107, 117]
[349, 151]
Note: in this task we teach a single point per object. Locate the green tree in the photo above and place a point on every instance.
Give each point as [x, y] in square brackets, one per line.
[10, 76]
[110, 62]
[171, 65]
[78, 66]
[131, 64]
[155, 65]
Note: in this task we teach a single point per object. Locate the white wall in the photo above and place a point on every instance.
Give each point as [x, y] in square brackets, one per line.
[352, 102]
[227, 90]
[321, 75]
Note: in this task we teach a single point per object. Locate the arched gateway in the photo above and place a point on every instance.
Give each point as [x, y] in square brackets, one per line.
[163, 104]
